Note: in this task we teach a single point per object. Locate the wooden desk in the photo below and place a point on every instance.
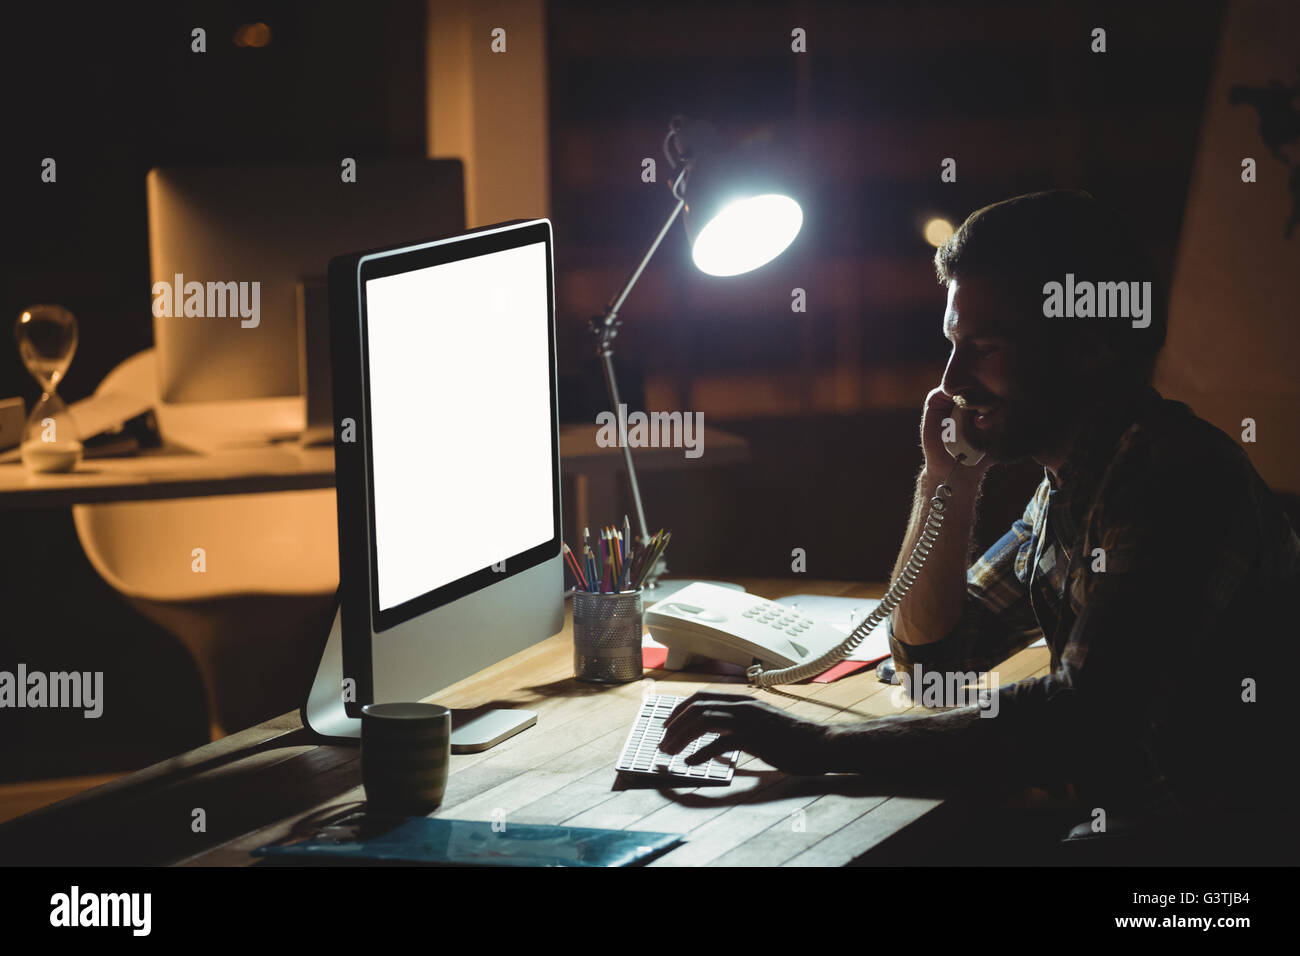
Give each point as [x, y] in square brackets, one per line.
[255, 786]
[161, 474]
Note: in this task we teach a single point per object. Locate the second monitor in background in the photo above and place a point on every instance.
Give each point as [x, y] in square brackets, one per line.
[238, 258]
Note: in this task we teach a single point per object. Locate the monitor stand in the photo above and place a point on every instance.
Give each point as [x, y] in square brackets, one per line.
[325, 715]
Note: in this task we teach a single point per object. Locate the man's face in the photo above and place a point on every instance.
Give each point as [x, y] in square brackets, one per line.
[1000, 373]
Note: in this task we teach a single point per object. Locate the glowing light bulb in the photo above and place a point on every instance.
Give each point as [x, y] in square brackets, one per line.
[746, 234]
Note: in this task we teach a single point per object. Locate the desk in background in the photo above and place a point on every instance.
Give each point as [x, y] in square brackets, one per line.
[596, 472]
[258, 785]
[274, 570]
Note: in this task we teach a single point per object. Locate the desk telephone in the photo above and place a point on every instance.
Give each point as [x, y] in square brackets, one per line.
[704, 620]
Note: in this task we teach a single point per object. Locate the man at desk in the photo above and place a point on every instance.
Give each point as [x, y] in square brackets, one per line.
[1152, 558]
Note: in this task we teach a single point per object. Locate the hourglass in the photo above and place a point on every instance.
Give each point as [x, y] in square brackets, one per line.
[47, 340]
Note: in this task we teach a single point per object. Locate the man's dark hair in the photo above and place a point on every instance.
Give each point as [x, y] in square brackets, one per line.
[1025, 242]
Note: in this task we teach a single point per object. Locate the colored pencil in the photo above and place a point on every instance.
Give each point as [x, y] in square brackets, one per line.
[572, 561]
[660, 545]
[618, 562]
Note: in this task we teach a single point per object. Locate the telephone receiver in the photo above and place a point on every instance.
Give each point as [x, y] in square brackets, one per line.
[959, 448]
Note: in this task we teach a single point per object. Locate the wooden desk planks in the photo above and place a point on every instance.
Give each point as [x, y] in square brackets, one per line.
[561, 771]
[255, 787]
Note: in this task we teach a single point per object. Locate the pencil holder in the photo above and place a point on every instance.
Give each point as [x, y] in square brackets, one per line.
[607, 631]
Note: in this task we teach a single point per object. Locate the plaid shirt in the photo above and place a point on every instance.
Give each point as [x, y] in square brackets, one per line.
[1159, 569]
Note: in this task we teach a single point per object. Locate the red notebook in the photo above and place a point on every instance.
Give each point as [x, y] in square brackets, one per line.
[653, 658]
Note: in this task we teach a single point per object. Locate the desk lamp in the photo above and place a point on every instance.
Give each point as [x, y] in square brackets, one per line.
[737, 219]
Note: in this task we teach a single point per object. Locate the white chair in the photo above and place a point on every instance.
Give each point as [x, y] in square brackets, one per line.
[255, 617]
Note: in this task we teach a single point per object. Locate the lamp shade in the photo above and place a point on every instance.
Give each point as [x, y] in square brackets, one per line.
[740, 215]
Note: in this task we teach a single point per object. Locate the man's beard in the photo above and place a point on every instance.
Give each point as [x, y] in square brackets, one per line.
[1016, 429]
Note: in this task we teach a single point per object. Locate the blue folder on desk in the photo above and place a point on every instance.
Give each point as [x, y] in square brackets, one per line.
[424, 840]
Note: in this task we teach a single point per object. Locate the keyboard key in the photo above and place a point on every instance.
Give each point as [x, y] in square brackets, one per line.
[641, 754]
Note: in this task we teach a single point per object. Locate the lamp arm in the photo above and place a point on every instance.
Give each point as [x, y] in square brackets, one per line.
[616, 303]
[605, 328]
[611, 386]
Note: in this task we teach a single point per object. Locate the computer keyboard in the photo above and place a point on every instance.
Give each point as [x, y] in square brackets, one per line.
[642, 757]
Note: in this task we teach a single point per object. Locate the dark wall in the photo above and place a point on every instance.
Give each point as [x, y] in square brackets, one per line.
[110, 91]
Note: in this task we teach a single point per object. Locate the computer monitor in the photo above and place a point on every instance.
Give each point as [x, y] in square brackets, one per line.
[215, 231]
[447, 470]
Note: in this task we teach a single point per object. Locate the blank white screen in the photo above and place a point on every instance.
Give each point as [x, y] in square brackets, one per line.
[460, 409]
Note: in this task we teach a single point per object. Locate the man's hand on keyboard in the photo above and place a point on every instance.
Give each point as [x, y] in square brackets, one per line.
[788, 743]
